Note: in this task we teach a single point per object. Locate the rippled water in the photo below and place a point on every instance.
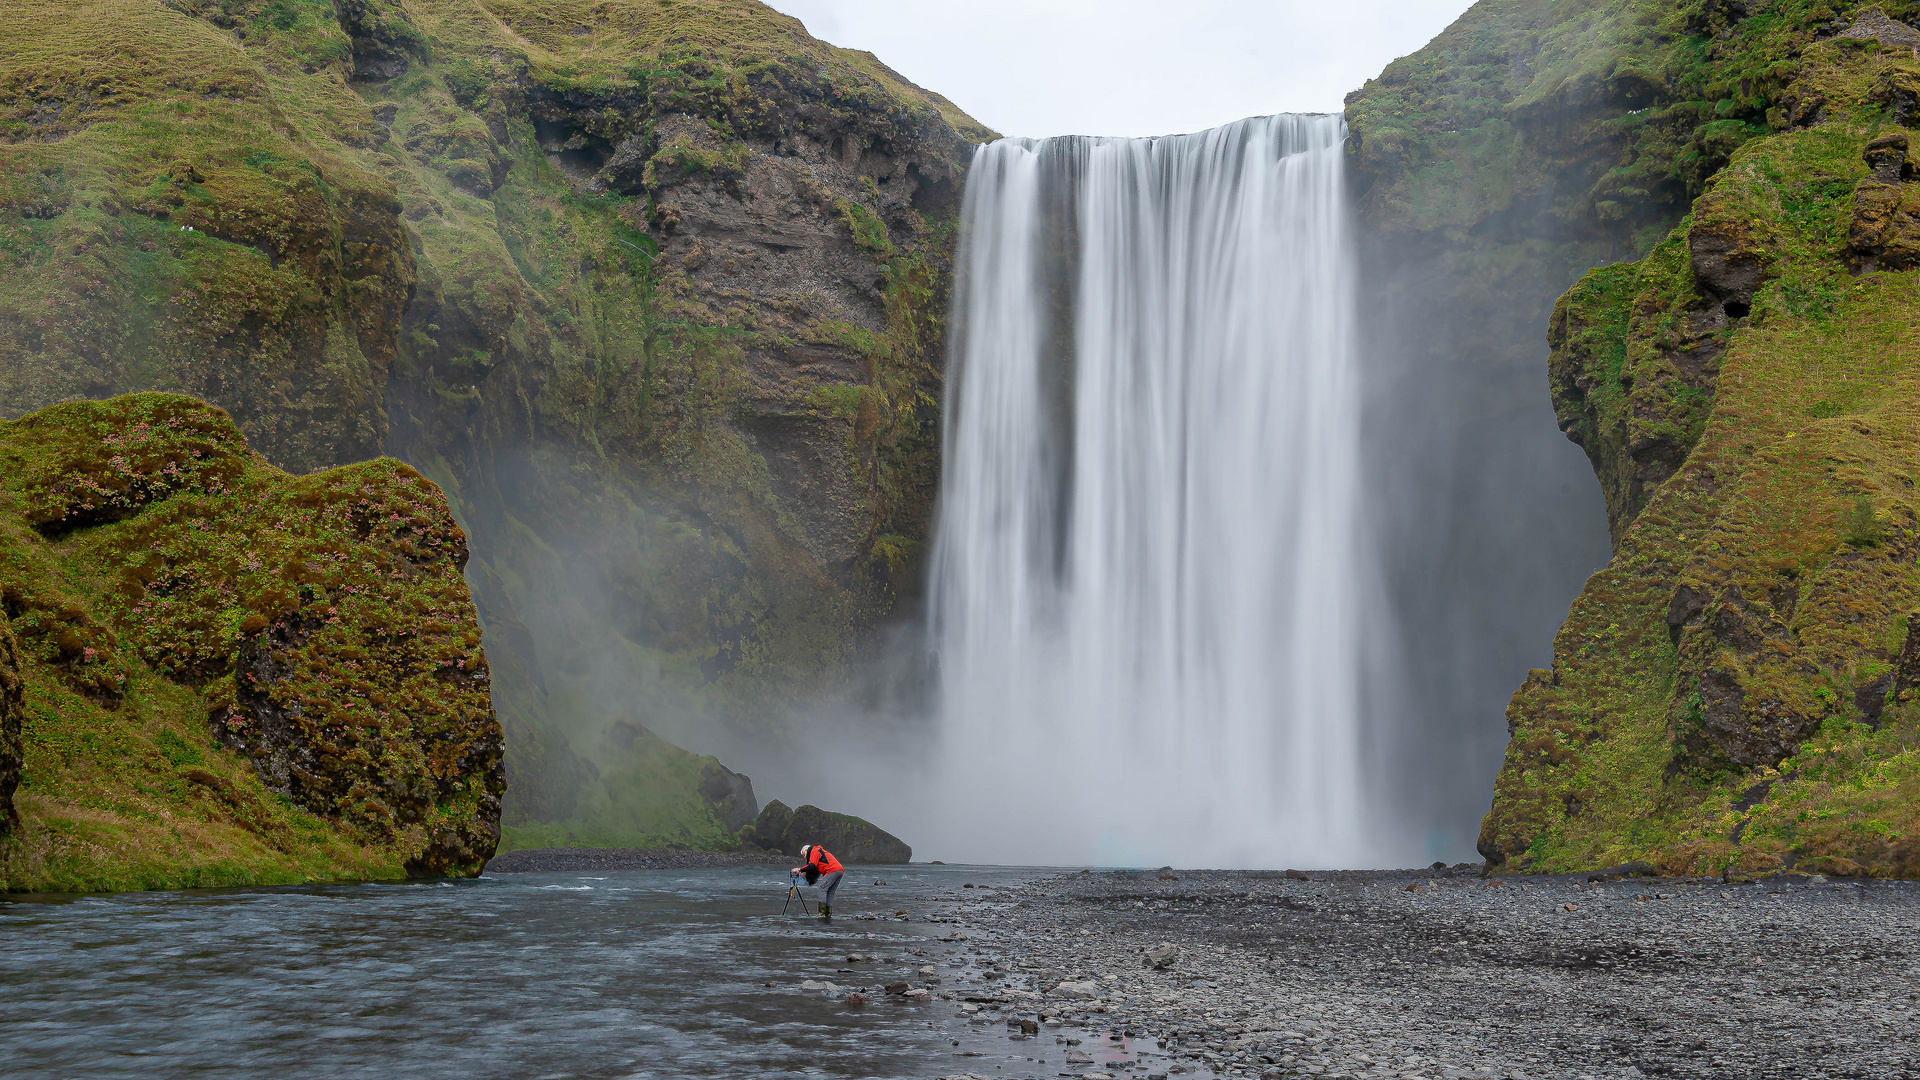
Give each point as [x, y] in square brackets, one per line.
[639, 974]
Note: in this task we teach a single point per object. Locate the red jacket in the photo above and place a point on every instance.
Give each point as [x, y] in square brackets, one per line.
[821, 859]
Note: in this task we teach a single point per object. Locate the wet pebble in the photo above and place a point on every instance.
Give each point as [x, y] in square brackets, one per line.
[1348, 974]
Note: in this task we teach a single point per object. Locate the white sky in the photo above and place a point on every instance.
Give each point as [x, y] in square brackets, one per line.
[1130, 67]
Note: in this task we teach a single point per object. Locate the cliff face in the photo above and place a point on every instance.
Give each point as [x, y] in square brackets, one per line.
[654, 292]
[232, 675]
[1486, 171]
[1731, 692]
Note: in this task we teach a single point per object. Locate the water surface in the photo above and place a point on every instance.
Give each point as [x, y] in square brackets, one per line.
[654, 973]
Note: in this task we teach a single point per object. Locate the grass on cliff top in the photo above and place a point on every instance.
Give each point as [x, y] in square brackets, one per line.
[1494, 111]
[608, 43]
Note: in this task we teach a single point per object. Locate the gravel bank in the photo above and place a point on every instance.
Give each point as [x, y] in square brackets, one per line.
[572, 860]
[1440, 974]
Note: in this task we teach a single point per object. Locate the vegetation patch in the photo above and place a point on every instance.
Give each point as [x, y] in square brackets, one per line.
[232, 675]
[1734, 692]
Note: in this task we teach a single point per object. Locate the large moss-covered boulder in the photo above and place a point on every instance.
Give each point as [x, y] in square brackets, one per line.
[852, 840]
[1733, 692]
[233, 674]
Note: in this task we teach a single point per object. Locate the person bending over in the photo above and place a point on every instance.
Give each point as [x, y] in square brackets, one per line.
[824, 872]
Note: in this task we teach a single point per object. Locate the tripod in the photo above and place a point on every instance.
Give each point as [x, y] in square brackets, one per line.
[793, 893]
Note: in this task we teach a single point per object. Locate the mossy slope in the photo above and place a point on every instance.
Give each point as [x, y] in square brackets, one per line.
[232, 675]
[1734, 690]
[653, 290]
[648, 794]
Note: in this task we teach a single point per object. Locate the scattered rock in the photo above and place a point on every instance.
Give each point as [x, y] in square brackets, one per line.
[856, 999]
[819, 984]
[1569, 907]
[1162, 956]
[896, 988]
[1080, 990]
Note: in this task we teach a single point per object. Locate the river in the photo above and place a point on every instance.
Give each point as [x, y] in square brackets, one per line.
[660, 973]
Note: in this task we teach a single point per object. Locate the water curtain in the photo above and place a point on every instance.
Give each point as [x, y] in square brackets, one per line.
[1148, 575]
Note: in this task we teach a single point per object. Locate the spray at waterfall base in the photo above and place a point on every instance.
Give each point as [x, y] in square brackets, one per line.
[1150, 577]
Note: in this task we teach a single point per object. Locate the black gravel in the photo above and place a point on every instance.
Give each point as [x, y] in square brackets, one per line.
[572, 860]
[1446, 974]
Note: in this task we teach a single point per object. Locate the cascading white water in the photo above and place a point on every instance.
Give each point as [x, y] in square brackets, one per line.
[1148, 571]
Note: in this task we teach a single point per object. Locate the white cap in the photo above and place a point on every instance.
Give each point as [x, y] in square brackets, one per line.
[804, 848]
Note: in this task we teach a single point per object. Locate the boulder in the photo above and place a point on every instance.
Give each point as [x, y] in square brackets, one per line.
[1079, 990]
[730, 794]
[850, 839]
[1162, 956]
[323, 617]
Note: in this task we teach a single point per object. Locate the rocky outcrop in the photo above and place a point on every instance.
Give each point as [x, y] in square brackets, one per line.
[730, 794]
[783, 829]
[238, 632]
[12, 716]
[1726, 695]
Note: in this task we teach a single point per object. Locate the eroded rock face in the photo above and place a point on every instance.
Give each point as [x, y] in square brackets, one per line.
[12, 715]
[1885, 230]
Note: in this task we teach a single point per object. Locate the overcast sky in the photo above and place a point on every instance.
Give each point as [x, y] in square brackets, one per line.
[1130, 67]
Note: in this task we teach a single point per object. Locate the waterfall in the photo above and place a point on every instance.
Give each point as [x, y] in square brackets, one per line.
[1148, 574]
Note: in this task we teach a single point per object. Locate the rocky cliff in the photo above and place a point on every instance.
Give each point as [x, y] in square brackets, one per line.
[1730, 692]
[653, 291]
[231, 675]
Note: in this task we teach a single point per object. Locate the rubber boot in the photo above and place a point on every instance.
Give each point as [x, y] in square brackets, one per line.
[826, 912]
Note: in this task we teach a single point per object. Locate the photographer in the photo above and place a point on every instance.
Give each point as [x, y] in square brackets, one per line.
[823, 871]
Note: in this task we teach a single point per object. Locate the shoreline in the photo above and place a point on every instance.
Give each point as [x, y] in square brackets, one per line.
[1425, 974]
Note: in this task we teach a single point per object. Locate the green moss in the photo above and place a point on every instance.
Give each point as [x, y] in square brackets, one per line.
[1728, 694]
[648, 797]
[232, 675]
